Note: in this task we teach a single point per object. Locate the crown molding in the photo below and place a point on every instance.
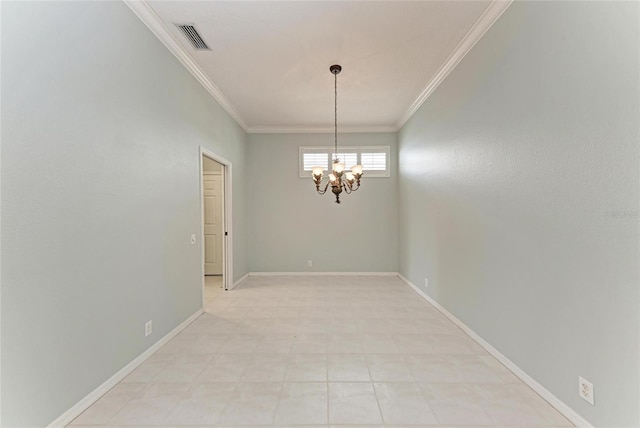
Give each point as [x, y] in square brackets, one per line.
[486, 20]
[318, 273]
[319, 129]
[146, 14]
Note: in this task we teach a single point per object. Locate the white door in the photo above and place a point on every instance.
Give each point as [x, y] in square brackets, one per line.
[213, 228]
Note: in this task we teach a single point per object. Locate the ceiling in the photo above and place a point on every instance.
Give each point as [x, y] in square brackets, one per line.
[269, 61]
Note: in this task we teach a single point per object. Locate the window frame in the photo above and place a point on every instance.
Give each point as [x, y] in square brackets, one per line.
[346, 149]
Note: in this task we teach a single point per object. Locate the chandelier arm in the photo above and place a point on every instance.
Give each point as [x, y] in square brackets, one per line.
[323, 191]
[347, 187]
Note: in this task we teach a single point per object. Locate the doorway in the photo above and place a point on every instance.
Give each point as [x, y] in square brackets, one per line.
[213, 197]
[215, 193]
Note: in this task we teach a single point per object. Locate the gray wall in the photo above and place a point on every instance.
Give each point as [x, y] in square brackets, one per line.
[519, 198]
[100, 193]
[290, 223]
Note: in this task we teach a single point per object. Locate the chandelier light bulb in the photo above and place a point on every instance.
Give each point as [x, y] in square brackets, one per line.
[317, 170]
[356, 169]
[338, 167]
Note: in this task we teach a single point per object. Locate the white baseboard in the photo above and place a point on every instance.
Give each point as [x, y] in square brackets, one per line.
[323, 273]
[242, 278]
[566, 411]
[93, 396]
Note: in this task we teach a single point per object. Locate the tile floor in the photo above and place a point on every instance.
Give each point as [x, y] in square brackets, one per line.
[320, 351]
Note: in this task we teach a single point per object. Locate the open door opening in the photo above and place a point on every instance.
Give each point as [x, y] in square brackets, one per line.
[215, 186]
[213, 225]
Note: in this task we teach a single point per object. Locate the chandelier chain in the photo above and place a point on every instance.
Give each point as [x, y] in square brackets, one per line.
[335, 111]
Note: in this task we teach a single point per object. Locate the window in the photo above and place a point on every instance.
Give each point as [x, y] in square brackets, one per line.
[312, 159]
[374, 159]
[349, 159]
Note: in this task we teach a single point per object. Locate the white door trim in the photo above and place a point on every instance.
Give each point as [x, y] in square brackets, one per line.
[227, 242]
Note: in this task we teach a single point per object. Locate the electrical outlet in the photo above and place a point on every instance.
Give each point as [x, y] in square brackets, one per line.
[309, 263]
[148, 328]
[585, 390]
[193, 239]
[426, 283]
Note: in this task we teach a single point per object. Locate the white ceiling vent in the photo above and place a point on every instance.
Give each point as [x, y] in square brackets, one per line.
[190, 32]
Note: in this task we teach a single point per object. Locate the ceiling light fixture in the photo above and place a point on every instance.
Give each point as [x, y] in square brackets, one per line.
[351, 180]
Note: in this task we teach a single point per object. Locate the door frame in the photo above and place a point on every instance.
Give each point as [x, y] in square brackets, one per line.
[227, 241]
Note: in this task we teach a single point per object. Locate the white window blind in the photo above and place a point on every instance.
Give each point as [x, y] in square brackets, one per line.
[374, 159]
[309, 160]
[349, 159]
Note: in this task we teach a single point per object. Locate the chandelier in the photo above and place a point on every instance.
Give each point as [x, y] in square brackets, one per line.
[339, 180]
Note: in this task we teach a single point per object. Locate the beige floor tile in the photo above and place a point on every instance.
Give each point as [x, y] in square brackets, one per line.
[280, 326]
[266, 368]
[389, 368]
[307, 368]
[348, 368]
[344, 344]
[353, 403]
[275, 344]
[252, 404]
[341, 326]
[240, 344]
[251, 326]
[517, 405]
[378, 344]
[302, 403]
[456, 403]
[184, 368]
[309, 343]
[311, 326]
[206, 344]
[312, 351]
[514, 412]
[204, 406]
[452, 368]
[152, 406]
[403, 403]
[225, 368]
